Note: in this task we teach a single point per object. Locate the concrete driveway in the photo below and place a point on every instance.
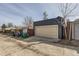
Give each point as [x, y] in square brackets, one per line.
[8, 47]
[47, 47]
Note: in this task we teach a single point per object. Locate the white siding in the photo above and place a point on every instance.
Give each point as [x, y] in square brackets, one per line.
[75, 31]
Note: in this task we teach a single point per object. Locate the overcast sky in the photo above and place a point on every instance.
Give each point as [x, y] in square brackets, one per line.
[15, 13]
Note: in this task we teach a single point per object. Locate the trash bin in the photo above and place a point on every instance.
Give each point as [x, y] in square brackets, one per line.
[24, 35]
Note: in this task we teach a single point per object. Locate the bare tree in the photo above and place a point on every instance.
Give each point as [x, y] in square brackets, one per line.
[67, 10]
[3, 27]
[28, 22]
[45, 15]
[10, 25]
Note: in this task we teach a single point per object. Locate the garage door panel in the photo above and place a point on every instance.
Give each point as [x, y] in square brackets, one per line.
[77, 31]
[50, 31]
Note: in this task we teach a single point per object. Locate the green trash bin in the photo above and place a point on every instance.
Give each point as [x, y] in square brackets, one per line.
[24, 35]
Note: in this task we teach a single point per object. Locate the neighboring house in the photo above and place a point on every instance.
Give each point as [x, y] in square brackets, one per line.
[10, 28]
[75, 29]
[50, 28]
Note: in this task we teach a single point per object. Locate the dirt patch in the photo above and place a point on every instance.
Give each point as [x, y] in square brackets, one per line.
[13, 47]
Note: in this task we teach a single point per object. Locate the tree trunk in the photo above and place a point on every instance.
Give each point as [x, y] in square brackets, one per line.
[65, 32]
[70, 31]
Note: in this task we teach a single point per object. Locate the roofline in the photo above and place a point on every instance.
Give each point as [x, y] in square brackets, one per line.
[52, 21]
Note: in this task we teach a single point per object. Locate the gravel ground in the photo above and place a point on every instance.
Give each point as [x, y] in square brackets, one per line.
[8, 47]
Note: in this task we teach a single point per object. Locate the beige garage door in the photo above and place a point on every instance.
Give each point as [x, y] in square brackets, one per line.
[77, 31]
[50, 31]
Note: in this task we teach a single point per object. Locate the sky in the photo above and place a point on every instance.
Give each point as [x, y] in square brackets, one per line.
[16, 12]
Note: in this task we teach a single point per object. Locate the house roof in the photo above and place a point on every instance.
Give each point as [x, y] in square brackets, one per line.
[76, 21]
[52, 21]
[9, 28]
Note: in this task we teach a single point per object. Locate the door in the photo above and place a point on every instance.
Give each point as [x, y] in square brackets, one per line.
[50, 31]
[76, 31]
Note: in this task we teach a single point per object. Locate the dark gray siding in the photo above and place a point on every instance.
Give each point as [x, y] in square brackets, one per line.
[53, 21]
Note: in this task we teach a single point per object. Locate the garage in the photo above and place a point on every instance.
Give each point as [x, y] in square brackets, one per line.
[50, 28]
